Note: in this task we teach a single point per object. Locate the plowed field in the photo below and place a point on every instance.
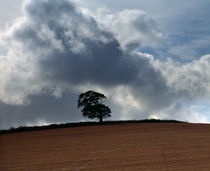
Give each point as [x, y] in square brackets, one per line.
[134, 146]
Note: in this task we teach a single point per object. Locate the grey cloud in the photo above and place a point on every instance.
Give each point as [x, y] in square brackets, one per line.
[99, 60]
[191, 79]
[63, 49]
[185, 25]
[44, 108]
[55, 46]
[14, 8]
[161, 9]
[134, 29]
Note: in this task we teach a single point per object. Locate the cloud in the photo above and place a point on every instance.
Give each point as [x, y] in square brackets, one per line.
[180, 112]
[64, 47]
[191, 79]
[42, 109]
[132, 28]
[6, 16]
[55, 51]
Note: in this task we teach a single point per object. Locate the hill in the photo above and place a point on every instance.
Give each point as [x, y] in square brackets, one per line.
[129, 146]
[78, 124]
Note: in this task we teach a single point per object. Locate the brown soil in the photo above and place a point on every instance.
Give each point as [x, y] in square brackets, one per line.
[140, 146]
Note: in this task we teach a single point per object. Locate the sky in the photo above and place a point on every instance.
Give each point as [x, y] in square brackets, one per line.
[150, 58]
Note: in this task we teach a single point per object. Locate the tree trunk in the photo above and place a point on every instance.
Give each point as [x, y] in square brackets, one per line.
[101, 119]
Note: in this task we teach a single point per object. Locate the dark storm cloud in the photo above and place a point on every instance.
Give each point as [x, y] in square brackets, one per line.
[83, 52]
[94, 56]
[66, 49]
[44, 108]
[105, 65]
[57, 47]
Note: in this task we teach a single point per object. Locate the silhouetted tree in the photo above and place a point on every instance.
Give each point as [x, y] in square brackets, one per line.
[93, 107]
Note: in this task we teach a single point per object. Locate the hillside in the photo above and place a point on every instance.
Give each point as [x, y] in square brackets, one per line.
[79, 124]
[129, 146]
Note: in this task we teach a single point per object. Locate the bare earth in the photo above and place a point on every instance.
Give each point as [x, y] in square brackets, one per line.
[139, 146]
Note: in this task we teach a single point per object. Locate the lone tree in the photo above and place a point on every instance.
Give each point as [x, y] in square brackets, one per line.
[93, 107]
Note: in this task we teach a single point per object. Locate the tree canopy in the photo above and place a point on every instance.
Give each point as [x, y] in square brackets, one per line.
[93, 107]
